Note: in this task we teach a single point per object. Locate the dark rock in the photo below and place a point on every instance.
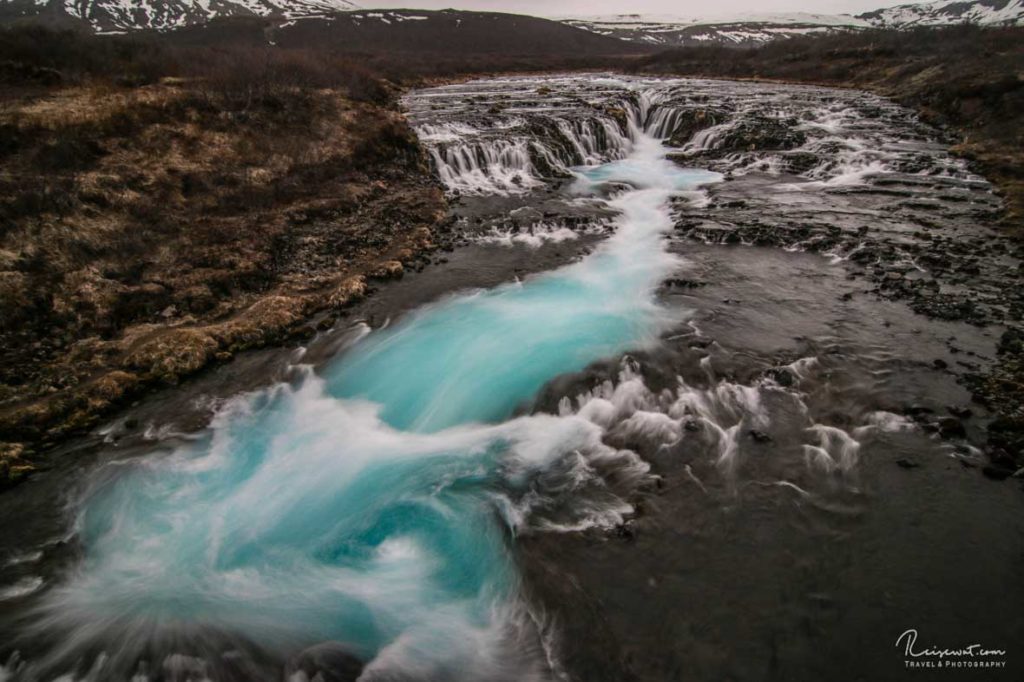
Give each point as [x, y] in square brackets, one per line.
[783, 376]
[762, 133]
[683, 283]
[996, 473]
[947, 307]
[917, 411]
[328, 661]
[691, 122]
[1007, 434]
[800, 162]
[1001, 458]
[951, 427]
[907, 463]
[760, 436]
[940, 364]
[1011, 342]
[961, 411]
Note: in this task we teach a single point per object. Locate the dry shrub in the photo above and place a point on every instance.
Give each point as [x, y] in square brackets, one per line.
[241, 76]
[45, 56]
[238, 74]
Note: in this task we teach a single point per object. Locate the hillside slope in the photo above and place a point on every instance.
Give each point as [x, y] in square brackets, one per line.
[332, 24]
[163, 208]
[409, 31]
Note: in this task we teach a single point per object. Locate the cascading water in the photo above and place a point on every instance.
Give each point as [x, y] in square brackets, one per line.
[516, 149]
[373, 506]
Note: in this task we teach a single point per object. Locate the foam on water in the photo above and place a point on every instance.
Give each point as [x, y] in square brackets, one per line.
[373, 506]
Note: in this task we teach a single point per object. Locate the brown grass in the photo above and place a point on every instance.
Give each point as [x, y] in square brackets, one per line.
[156, 217]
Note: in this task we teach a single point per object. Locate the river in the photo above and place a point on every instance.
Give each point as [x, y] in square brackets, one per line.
[650, 422]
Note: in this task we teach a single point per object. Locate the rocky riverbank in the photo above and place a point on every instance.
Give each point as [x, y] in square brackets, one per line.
[966, 82]
[837, 172]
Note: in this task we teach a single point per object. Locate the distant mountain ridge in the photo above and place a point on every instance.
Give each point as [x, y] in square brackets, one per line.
[741, 32]
[651, 31]
[750, 31]
[946, 12]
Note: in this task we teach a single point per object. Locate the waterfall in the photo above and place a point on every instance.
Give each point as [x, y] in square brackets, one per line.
[663, 121]
[494, 166]
[515, 160]
[520, 151]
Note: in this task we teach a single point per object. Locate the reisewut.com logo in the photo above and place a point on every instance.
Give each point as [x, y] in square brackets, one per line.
[932, 656]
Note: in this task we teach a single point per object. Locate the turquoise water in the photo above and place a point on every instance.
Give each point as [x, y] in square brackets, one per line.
[475, 358]
[373, 505]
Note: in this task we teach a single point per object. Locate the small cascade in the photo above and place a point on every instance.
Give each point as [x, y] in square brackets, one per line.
[707, 139]
[663, 121]
[522, 148]
[496, 164]
[507, 161]
[489, 166]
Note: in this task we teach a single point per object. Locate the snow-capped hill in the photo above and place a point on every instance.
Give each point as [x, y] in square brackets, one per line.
[947, 12]
[779, 18]
[753, 30]
[745, 31]
[117, 16]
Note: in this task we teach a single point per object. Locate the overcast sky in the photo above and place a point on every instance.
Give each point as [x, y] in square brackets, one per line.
[683, 8]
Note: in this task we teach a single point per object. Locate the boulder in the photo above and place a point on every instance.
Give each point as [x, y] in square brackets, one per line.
[691, 122]
[761, 133]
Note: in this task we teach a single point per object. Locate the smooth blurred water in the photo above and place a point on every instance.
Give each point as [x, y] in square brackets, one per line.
[475, 358]
[370, 506]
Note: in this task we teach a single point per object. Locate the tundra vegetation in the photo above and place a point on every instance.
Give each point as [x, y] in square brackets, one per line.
[163, 208]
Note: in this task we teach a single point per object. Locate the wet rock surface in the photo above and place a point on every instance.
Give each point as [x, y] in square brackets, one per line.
[877, 193]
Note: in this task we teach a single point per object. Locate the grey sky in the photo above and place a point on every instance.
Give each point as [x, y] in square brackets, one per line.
[684, 8]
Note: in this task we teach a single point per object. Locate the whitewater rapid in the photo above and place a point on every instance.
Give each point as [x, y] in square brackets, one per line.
[374, 505]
